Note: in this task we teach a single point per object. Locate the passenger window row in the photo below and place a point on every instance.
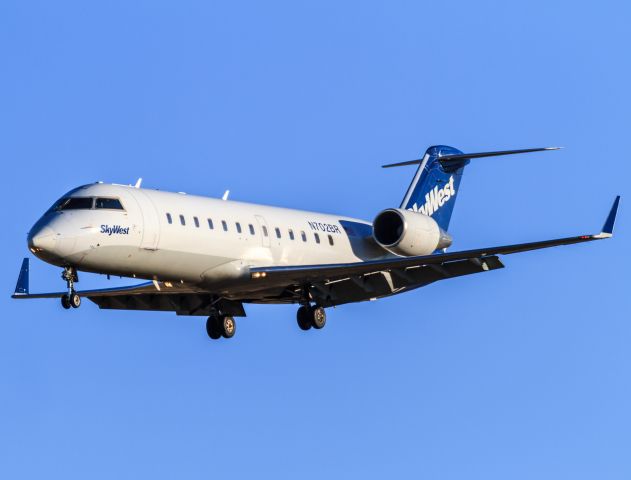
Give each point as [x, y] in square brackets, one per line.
[224, 226]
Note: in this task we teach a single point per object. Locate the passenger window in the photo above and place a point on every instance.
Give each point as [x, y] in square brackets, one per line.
[196, 220]
[251, 229]
[264, 228]
[210, 223]
[109, 203]
[76, 203]
[303, 235]
[317, 237]
[224, 225]
[291, 234]
[169, 219]
[330, 240]
[238, 227]
[277, 230]
[182, 220]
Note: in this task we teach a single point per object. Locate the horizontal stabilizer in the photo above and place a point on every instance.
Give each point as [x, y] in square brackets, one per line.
[451, 160]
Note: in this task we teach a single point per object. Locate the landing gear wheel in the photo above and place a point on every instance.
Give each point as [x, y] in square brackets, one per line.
[72, 298]
[75, 300]
[213, 329]
[304, 318]
[65, 302]
[228, 327]
[318, 317]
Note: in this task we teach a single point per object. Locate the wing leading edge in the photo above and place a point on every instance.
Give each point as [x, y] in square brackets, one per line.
[161, 296]
[22, 288]
[320, 273]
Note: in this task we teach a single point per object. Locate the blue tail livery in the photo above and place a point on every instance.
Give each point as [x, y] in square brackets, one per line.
[437, 181]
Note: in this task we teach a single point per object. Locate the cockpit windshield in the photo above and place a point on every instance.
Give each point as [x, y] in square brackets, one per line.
[86, 203]
[110, 203]
[75, 203]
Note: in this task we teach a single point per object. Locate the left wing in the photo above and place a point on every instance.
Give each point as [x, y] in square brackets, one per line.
[302, 274]
[22, 288]
[160, 296]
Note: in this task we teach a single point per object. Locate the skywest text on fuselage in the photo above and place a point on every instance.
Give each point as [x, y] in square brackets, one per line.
[114, 230]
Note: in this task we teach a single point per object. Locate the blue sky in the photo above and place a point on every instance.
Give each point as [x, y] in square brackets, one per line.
[520, 373]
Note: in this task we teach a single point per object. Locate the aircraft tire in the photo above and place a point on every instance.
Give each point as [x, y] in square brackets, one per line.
[303, 317]
[75, 300]
[318, 317]
[65, 302]
[213, 329]
[228, 327]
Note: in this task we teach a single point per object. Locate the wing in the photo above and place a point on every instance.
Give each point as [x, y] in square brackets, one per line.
[157, 296]
[400, 273]
[22, 288]
[20, 293]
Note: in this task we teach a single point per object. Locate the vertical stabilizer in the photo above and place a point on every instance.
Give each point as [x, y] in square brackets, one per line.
[435, 185]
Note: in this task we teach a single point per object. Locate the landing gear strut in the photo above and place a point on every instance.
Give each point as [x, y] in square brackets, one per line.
[219, 325]
[311, 316]
[72, 298]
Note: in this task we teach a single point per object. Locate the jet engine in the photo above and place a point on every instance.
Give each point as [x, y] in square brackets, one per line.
[408, 233]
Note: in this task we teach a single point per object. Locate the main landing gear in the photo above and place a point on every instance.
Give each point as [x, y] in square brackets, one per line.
[72, 298]
[219, 325]
[311, 316]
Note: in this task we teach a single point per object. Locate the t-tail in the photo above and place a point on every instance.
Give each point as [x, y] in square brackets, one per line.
[436, 184]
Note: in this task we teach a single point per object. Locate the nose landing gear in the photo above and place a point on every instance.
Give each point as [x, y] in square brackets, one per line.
[72, 298]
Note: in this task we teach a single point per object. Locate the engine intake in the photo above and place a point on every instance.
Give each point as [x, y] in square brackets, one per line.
[407, 233]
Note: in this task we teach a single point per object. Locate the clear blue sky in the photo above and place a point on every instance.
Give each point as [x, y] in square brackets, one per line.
[519, 373]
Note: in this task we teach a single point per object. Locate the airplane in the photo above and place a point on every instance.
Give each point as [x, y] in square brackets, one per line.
[209, 257]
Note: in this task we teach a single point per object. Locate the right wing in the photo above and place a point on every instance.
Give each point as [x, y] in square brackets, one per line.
[303, 274]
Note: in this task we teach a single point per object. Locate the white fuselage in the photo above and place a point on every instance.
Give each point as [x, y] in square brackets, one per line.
[200, 241]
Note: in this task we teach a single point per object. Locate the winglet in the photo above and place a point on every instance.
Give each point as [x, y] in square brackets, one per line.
[607, 230]
[21, 288]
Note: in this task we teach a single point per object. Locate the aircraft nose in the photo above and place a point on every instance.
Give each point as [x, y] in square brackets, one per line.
[42, 240]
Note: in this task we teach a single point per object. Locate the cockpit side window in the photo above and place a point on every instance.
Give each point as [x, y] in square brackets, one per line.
[75, 203]
[109, 203]
[57, 204]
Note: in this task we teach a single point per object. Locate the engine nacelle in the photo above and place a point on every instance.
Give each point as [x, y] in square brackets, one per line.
[407, 233]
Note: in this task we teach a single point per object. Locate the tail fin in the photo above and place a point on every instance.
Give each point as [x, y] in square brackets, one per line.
[437, 181]
[434, 187]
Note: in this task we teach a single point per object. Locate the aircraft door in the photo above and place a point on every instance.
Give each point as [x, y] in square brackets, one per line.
[150, 220]
[264, 229]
